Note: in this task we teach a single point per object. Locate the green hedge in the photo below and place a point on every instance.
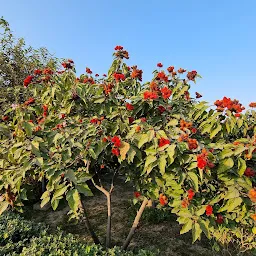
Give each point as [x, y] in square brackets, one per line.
[26, 238]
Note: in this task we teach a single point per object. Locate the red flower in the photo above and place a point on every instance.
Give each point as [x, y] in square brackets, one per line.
[45, 107]
[5, 118]
[198, 95]
[104, 139]
[166, 93]
[181, 70]
[185, 203]
[219, 219]
[192, 144]
[45, 114]
[97, 75]
[136, 73]
[131, 120]
[129, 106]
[62, 116]
[163, 200]
[201, 161]
[193, 130]
[208, 210]
[162, 142]
[115, 151]
[150, 95]
[137, 194]
[161, 109]
[160, 65]
[88, 71]
[170, 69]
[119, 48]
[162, 76]
[191, 194]
[143, 119]
[37, 72]
[27, 81]
[116, 141]
[252, 105]
[237, 114]
[47, 71]
[94, 121]
[38, 128]
[29, 101]
[119, 77]
[249, 172]
[104, 75]
[192, 75]
[211, 165]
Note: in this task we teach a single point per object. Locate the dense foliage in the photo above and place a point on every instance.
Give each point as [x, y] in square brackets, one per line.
[196, 160]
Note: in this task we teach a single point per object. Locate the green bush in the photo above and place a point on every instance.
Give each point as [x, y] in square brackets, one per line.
[15, 233]
[26, 238]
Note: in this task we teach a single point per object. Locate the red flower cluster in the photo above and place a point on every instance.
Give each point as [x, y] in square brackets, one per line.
[191, 194]
[249, 172]
[27, 81]
[252, 105]
[181, 70]
[62, 116]
[166, 93]
[89, 80]
[198, 95]
[29, 101]
[38, 128]
[116, 141]
[143, 119]
[150, 95]
[108, 89]
[232, 105]
[68, 64]
[119, 77]
[115, 151]
[88, 71]
[186, 95]
[191, 75]
[219, 219]
[47, 71]
[163, 200]
[160, 65]
[5, 118]
[131, 119]
[45, 108]
[129, 106]
[202, 159]
[37, 72]
[185, 125]
[136, 73]
[170, 69]
[208, 210]
[137, 194]
[192, 144]
[161, 76]
[119, 48]
[161, 109]
[162, 142]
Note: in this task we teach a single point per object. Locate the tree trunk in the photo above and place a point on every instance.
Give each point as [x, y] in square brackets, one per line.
[135, 224]
[108, 237]
[88, 224]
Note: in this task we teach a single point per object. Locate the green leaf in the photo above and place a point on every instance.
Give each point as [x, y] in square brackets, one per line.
[162, 164]
[215, 131]
[84, 189]
[225, 165]
[186, 227]
[241, 166]
[231, 204]
[171, 152]
[3, 206]
[73, 199]
[28, 128]
[194, 179]
[143, 140]
[70, 174]
[196, 232]
[54, 203]
[201, 211]
[204, 227]
[45, 201]
[59, 192]
[92, 153]
[226, 153]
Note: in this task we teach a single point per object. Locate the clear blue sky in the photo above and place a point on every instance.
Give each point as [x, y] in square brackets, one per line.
[216, 38]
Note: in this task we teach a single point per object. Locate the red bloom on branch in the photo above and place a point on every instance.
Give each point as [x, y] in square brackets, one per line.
[208, 210]
[136, 73]
[191, 194]
[252, 105]
[115, 151]
[201, 161]
[119, 48]
[192, 75]
[27, 81]
[219, 219]
[143, 119]
[131, 120]
[5, 118]
[162, 142]
[37, 72]
[88, 71]
[94, 121]
[45, 107]
[119, 77]
[249, 172]
[163, 200]
[198, 95]
[129, 106]
[192, 144]
[116, 141]
[160, 65]
[166, 93]
[29, 101]
[170, 69]
[161, 109]
[194, 130]
[47, 71]
[181, 70]
[137, 194]
[62, 116]
[150, 95]
[162, 76]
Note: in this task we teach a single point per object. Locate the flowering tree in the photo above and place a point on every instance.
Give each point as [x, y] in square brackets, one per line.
[196, 160]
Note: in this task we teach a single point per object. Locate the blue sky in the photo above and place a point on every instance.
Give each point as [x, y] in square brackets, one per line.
[216, 38]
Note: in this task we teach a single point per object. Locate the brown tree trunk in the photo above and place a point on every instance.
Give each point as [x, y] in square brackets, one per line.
[135, 224]
[108, 237]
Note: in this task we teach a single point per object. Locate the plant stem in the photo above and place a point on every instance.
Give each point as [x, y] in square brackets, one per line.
[108, 237]
[135, 224]
[88, 224]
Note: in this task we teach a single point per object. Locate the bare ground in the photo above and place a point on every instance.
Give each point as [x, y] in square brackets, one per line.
[164, 236]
